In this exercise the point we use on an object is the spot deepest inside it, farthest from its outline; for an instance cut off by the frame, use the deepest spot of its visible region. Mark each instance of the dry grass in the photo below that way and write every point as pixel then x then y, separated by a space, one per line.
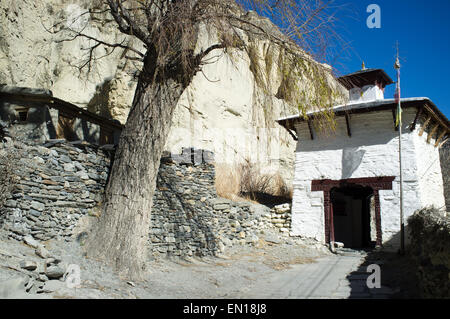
pixel 227 181
pixel 280 187
pixel 253 181
pixel 246 181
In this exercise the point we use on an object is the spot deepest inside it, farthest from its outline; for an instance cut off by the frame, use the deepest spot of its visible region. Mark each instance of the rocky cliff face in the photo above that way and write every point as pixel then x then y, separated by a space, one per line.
pixel 229 108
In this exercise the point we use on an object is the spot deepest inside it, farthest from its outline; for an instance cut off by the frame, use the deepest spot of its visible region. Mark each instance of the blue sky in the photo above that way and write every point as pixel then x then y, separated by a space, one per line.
pixel 422 29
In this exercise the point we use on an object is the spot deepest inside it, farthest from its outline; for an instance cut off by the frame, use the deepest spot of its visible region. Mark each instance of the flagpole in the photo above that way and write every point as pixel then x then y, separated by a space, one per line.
pixel 399 121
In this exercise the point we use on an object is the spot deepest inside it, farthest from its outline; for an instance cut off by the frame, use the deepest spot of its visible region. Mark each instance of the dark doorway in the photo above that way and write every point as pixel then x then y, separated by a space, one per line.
pixel 354 216
pixel 374 183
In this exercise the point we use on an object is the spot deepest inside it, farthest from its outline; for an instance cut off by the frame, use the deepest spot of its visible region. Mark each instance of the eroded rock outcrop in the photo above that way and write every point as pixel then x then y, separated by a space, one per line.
pixel 230 107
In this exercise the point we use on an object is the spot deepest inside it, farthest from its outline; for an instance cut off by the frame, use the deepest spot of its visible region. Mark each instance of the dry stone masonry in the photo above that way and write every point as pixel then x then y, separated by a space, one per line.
pixel 189 219
pixel 56 184
pixel 430 235
pixel 280 217
pixel 59 182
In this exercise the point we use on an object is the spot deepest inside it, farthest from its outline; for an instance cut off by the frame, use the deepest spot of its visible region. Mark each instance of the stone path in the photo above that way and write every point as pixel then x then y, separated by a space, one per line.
pixel 336 276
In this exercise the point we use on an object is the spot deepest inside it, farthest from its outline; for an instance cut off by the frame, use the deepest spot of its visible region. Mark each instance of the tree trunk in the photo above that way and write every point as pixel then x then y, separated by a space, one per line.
pixel 121 234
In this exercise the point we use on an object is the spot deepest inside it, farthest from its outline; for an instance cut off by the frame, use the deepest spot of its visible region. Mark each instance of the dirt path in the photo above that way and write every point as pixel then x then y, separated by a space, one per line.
pixel 295 269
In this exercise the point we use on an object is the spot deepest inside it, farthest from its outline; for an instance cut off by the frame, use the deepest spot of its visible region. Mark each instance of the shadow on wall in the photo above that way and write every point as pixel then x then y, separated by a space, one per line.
pixel 268 200
pixel 351 159
pixel 49 124
pixel 99 103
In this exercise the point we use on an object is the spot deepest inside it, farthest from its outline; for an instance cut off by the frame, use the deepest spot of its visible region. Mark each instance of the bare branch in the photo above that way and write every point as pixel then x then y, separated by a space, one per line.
pixel 125 22
pixel 199 57
pixel 74 34
pixel 100 42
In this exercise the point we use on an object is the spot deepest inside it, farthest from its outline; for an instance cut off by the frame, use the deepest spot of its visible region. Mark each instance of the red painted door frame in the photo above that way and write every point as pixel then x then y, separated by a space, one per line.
pixel 331 222
pixel 326 185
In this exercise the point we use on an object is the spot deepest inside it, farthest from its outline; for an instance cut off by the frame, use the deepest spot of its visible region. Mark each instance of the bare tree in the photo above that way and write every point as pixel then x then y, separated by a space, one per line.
pixel 169 31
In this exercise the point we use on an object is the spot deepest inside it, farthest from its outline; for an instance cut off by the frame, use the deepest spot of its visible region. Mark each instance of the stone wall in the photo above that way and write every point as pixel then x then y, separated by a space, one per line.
pixel 430 236
pixel 444 153
pixel 189 219
pixel 56 184
pixel 60 182
pixel 280 217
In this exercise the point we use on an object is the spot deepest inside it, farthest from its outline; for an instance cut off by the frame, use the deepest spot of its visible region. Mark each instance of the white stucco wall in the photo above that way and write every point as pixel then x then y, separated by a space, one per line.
pixel 371 151
pixel 429 171
pixel 365 94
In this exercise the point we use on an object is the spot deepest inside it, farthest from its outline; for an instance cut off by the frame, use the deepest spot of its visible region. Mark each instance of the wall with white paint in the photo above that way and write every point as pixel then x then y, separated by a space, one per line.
pixel 371 151
pixel 429 170
pixel 365 94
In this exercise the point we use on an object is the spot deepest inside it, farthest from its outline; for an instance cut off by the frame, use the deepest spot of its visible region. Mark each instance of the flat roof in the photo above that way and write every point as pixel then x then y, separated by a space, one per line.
pixel 372 106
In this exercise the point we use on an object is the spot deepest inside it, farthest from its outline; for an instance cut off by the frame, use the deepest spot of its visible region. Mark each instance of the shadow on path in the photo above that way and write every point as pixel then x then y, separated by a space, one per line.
pixel 397 272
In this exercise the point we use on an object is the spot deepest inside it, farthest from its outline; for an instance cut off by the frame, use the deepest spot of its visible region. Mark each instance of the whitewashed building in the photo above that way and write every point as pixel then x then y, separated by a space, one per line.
pixel 346 183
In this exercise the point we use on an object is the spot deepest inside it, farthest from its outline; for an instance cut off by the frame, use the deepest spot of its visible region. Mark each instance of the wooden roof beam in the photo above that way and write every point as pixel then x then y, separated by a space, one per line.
pixel 424 125
pixel 434 129
pixel 438 140
pixel 435 116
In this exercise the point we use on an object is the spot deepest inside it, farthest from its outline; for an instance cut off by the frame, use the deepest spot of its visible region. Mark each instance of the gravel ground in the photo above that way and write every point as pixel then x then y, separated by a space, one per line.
pixel 226 276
